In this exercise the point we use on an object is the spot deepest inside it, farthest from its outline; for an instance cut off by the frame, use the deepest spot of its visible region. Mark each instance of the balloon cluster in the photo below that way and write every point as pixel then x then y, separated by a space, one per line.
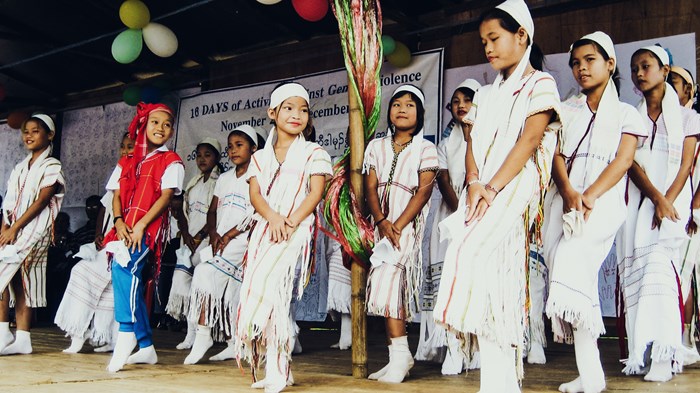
pixel 310 10
pixel 397 53
pixel 127 46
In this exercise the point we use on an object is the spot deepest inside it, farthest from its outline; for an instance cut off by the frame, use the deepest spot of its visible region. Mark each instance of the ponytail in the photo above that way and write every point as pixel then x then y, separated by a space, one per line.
pixel 536 57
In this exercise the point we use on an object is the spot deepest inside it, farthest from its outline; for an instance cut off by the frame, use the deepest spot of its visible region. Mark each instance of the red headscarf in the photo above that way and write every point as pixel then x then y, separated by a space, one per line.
pixel 137 128
pixel 137 133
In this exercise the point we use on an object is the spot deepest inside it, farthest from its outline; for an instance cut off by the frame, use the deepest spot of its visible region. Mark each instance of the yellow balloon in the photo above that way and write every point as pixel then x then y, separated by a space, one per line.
pixel 401 56
pixel 134 14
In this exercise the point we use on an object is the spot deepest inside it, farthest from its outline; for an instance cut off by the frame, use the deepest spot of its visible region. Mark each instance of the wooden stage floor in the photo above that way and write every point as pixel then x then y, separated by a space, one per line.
pixel 318 369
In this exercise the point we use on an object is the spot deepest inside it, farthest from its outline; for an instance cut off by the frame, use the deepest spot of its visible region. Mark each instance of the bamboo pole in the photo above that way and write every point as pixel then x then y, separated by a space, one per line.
pixel 356 138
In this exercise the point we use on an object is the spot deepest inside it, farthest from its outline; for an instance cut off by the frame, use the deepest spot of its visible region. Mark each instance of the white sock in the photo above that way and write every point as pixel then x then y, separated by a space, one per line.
pixel 376 375
pixel 145 355
pixel 536 354
pixel 6 336
pixel 275 370
pixel 497 367
pixel 202 343
pixel 126 341
pixel 591 378
pixel 76 344
pixel 189 338
pixel 345 332
pixel 660 371
pixel 21 346
pixel 454 359
pixel 401 361
pixel 228 353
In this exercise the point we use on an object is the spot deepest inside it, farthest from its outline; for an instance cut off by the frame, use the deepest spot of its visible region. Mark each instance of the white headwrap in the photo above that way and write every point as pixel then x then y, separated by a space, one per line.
pixel 519 11
pixel 683 73
pixel 411 89
pixel 286 91
pixel 470 84
pixel 46 119
pixel 660 53
pixel 606 128
pixel 249 131
pixel 212 142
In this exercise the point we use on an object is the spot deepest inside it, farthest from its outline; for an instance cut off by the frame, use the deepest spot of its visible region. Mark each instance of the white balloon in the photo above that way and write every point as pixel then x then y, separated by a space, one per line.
pixel 269 2
pixel 160 39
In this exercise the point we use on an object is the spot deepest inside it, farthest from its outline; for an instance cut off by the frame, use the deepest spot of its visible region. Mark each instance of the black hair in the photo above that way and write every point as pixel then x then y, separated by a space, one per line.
pixel 420 110
pixel 261 141
pixel 616 73
pixel 216 152
pixel 309 131
pixel 93 199
pixel 509 23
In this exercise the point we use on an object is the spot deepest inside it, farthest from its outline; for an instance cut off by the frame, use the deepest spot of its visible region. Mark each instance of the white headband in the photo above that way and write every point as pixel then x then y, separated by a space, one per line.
pixel 286 91
pixel 603 40
pixel 471 84
pixel 46 119
pixel 211 141
pixel 519 11
pixel 250 131
pixel 411 89
pixel 660 53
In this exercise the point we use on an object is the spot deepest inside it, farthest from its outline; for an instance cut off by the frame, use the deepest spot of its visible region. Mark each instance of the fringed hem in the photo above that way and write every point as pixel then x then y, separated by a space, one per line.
pixel 73 324
pixel 218 313
pixel 537 331
pixel 339 296
pixel 433 339
pixel 634 365
pixel 568 314
pixel 178 306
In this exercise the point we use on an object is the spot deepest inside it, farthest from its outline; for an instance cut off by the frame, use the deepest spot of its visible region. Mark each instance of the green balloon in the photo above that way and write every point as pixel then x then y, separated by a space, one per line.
pixel 388 44
pixel 132 95
pixel 127 46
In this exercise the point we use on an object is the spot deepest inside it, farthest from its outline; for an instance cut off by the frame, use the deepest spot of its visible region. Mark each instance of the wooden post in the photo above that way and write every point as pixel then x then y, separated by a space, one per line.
pixel 356 137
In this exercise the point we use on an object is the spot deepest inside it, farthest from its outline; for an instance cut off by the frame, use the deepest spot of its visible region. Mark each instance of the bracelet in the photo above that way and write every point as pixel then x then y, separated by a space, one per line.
pixel 473 182
pixel 114 220
pixel 490 188
pixel 376 224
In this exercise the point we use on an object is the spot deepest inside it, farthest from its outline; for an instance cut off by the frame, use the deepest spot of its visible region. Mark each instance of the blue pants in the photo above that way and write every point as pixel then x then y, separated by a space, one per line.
pixel 129 303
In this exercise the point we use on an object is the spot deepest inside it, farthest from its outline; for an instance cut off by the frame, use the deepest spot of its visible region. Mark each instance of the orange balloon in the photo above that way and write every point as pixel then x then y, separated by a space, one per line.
pixel 16 118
